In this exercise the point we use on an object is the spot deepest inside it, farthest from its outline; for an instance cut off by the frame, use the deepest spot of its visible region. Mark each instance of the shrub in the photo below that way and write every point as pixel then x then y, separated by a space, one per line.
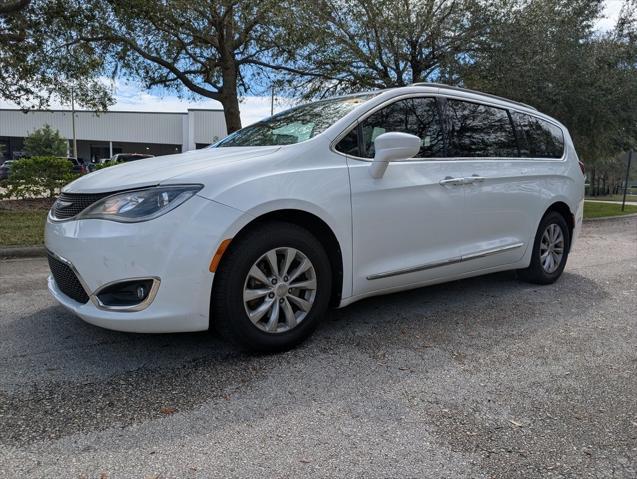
pixel 45 141
pixel 106 164
pixel 38 176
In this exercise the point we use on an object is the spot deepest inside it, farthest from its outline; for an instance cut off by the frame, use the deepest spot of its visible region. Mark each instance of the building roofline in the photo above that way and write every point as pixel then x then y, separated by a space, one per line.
pixel 39 110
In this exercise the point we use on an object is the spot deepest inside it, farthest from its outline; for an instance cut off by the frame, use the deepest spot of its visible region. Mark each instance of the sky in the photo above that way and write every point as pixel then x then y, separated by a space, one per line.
pixel 131 96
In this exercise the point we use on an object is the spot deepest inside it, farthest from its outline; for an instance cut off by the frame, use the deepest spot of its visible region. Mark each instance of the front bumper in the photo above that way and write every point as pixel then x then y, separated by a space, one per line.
pixel 176 248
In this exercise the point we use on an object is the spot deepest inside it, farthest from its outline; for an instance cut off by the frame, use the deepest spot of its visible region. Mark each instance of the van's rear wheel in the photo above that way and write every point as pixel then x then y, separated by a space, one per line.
pixel 272 288
pixel 550 250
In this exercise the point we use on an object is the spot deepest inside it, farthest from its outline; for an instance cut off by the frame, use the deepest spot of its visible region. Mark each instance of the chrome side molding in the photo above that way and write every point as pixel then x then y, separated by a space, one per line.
pixel 415 269
pixel 450 261
pixel 489 252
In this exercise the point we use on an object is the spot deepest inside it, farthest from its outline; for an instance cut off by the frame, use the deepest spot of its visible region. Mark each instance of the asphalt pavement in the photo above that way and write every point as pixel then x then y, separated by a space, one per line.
pixel 483 378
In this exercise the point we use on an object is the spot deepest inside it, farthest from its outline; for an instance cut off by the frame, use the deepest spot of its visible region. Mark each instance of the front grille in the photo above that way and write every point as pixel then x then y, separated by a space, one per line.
pixel 66 280
pixel 71 204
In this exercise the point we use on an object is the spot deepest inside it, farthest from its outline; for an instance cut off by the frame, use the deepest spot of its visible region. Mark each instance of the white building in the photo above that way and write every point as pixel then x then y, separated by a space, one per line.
pixel 101 135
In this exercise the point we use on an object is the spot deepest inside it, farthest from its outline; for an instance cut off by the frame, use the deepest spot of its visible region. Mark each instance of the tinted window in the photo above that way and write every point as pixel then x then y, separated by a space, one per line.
pixel 538 138
pixel 476 130
pixel 349 143
pixel 417 116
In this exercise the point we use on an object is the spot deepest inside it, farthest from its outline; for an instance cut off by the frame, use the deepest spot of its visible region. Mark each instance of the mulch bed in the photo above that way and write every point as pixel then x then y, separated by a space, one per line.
pixel 30 204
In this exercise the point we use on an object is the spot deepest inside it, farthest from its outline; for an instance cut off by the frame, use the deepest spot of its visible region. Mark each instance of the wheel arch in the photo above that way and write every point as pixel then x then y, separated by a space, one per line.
pixel 317 227
pixel 564 210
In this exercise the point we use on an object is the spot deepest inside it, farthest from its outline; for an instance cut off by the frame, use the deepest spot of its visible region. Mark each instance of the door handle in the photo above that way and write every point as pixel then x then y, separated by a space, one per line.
pixel 474 179
pixel 452 181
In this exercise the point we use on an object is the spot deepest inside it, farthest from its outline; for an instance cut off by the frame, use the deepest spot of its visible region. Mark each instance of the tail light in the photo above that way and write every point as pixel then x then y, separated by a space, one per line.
pixel 581 167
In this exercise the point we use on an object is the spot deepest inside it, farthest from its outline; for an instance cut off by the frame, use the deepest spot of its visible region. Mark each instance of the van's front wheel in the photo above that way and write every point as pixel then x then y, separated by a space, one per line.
pixel 550 250
pixel 272 288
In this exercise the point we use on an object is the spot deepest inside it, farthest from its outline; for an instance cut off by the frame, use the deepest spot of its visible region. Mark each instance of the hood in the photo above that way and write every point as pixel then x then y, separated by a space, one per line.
pixel 153 171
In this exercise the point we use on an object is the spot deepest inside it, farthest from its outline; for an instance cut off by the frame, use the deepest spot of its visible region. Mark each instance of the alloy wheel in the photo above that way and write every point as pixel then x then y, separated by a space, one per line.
pixel 279 290
pixel 552 248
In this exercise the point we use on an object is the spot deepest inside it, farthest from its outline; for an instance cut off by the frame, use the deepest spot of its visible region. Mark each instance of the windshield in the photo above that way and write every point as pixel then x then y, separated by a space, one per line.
pixel 295 125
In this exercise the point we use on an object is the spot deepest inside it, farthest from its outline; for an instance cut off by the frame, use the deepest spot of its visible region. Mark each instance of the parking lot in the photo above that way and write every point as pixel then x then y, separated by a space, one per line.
pixel 487 377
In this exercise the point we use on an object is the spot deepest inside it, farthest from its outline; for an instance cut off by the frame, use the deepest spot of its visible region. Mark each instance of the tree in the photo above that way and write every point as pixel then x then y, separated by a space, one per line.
pixel 547 53
pixel 12 6
pixel 367 44
pixel 37 62
pixel 45 141
pixel 212 49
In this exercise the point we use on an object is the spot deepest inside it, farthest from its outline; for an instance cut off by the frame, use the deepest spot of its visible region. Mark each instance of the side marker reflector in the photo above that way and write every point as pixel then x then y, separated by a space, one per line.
pixel 216 259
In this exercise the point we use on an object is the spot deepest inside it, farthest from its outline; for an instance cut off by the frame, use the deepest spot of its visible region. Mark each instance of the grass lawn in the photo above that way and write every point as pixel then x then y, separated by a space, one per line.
pixel 599 210
pixel 22 228
pixel 22 221
pixel 23 224
pixel 612 198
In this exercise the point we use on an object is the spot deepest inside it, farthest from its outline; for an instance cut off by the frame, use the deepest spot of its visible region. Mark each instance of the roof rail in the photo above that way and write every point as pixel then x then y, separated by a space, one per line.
pixel 442 86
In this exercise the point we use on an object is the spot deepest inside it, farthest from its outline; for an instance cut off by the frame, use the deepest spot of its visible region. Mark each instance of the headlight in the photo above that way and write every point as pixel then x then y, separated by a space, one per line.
pixel 140 205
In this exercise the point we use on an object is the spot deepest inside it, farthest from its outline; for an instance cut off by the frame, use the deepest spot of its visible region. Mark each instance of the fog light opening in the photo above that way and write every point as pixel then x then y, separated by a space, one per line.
pixel 126 293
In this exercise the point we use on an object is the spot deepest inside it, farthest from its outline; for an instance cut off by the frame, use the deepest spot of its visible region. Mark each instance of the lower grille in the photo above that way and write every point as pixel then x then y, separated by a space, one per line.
pixel 67 280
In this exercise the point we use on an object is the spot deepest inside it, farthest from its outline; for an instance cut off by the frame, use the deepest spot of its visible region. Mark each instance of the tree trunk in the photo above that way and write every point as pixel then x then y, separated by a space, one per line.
pixel 229 72
pixel 230 103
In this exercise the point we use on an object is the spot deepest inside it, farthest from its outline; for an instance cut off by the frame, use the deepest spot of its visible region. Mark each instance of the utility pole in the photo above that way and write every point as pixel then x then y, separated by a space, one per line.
pixel 73 122
pixel 630 159
pixel 272 102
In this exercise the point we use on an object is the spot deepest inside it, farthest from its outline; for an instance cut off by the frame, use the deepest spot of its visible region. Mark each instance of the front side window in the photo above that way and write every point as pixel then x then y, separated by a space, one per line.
pixel 417 116
pixel 479 131
pixel 295 125
pixel 538 138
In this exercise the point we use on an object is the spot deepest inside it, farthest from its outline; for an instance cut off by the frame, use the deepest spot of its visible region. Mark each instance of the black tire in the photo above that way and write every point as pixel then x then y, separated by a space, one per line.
pixel 228 312
pixel 536 273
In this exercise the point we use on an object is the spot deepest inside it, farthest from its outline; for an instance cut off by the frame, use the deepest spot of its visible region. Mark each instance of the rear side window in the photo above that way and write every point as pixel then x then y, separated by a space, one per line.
pixel 417 116
pixel 478 131
pixel 538 138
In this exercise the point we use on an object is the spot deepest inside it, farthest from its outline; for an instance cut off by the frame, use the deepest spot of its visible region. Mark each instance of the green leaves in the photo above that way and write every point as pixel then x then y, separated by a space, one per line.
pixel 45 141
pixel 547 53
pixel 38 176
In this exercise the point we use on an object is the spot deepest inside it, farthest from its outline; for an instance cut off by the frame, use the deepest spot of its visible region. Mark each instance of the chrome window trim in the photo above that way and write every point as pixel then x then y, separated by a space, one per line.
pixel 96 301
pixel 437 95
pixel 447 262
pixel 442 86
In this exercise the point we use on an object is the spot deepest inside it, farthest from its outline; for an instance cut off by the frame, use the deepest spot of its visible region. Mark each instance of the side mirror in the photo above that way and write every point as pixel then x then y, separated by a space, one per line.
pixel 393 146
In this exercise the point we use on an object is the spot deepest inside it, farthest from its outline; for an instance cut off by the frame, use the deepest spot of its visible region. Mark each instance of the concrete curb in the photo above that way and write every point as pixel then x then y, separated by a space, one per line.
pixel 611 218
pixel 22 252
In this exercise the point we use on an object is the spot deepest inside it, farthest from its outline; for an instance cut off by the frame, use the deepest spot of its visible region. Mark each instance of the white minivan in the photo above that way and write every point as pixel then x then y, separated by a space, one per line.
pixel 318 206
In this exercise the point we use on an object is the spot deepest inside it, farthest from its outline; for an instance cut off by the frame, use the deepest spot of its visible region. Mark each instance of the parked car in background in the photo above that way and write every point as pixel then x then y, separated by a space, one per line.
pixel 324 204
pixel 119 158
pixel 126 157
pixel 5 169
pixel 79 167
